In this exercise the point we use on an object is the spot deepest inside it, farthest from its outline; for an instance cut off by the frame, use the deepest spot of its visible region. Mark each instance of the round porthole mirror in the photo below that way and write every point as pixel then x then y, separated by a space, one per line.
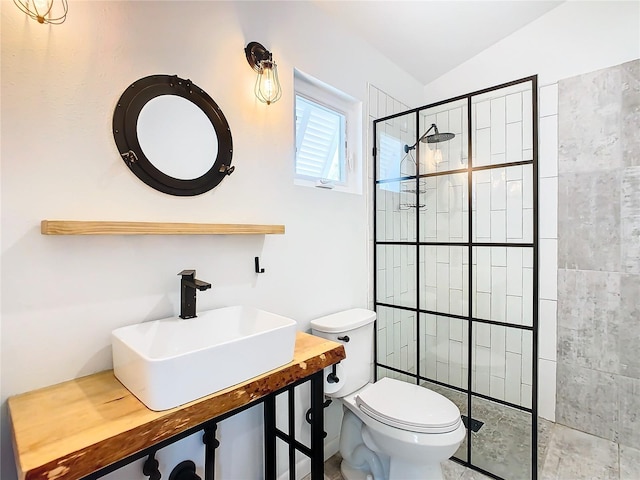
pixel 172 135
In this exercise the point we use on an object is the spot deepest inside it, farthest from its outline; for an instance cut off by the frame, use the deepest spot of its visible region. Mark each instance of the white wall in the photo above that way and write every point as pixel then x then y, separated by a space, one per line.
pixel 574 38
pixel 63 295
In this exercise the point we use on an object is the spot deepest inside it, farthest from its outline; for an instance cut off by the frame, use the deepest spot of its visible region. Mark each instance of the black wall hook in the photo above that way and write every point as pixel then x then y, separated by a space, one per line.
pixel 257 263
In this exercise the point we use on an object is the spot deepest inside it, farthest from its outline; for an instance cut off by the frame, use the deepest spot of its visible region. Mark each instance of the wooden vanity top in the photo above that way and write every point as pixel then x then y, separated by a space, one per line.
pixel 72 429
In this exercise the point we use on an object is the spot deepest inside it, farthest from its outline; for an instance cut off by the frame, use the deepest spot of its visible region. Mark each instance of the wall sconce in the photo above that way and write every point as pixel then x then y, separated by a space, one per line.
pixel 267 88
pixel 44 11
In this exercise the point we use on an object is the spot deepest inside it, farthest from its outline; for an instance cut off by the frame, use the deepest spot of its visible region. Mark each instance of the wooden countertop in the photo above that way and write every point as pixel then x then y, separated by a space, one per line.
pixel 72 429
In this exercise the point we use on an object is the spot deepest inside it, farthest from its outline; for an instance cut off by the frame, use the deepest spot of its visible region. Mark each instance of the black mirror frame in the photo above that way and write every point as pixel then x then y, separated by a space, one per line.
pixel 125 122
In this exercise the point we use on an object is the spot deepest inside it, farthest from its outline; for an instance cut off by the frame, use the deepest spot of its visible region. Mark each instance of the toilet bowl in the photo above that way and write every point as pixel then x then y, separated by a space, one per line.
pixel 391 430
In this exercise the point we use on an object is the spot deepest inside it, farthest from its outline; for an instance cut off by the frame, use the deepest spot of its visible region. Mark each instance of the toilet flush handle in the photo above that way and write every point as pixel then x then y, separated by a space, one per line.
pixel 344 339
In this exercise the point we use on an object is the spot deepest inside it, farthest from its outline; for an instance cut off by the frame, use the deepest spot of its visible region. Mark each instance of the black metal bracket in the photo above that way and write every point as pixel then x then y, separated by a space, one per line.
pixel 308 415
pixel 211 443
pixel 226 169
pixel 150 468
pixel 257 265
pixel 129 157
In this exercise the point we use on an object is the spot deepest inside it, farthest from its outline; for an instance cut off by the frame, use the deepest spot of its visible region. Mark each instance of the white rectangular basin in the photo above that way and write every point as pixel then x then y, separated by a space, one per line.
pixel 170 362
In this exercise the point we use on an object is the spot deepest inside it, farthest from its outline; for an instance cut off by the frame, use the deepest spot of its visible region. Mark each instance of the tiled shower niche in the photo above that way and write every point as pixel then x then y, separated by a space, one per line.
pixel 456 265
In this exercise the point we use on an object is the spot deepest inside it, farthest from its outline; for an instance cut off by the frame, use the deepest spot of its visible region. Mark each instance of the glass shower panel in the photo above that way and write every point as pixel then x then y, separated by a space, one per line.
pixel 503 284
pixel 444 279
pixel 444 349
pixel 455 278
pixel 445 216
pixel 396 338
pixel 396 275
pixel 395 211
pixel 502 125
pixel 502 363
pixel 391 137
pixel 449 154
pixel 382 372
pixel 503 205
pixel 460 399
pixel 502 445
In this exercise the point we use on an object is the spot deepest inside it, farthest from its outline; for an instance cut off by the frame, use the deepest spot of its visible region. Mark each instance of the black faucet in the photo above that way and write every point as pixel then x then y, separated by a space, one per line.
pixel 188 286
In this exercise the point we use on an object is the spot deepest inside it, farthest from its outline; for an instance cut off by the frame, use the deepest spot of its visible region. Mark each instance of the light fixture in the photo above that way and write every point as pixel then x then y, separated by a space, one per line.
pixel 267 88
pixel 436 137
pixel 44 11
pixel 437 155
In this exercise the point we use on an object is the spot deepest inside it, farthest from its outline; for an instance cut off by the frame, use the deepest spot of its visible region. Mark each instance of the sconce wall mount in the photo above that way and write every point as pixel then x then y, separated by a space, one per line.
pixel 267 88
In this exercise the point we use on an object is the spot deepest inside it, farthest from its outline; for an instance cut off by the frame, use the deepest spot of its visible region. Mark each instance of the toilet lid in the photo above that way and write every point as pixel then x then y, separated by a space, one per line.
pixel 408 407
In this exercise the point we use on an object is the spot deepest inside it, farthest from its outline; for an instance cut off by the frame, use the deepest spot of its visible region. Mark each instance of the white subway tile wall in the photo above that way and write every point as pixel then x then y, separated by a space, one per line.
pixel 548 249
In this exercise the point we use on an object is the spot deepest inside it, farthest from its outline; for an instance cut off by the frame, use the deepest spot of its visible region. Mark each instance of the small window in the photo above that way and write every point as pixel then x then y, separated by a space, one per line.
pixel 320 141
pixel 328 136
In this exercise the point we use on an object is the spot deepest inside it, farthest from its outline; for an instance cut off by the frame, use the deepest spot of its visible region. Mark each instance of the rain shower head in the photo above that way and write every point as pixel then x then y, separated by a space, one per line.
pixel 436 137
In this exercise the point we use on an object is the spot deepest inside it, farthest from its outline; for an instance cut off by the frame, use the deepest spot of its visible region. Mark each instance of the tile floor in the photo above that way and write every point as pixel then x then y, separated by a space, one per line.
pixel 568 455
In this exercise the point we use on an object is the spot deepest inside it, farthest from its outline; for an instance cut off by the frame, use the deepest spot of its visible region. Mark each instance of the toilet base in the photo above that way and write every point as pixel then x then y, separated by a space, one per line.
pixel 407 471
pixel 398 471
pixel 350 473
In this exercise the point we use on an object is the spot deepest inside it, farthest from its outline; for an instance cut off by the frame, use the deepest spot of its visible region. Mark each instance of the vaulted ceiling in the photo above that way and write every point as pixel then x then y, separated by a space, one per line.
pixel 429 38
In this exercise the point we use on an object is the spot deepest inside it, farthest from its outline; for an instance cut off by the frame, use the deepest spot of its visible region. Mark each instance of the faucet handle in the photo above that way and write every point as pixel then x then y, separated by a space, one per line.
pixel 187 273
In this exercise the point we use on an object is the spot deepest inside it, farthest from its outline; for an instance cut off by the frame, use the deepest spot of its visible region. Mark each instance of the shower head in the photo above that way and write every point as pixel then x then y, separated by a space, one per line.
pixel 436 137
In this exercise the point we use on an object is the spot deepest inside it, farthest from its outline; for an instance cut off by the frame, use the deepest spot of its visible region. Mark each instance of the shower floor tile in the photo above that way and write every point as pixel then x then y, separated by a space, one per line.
pixel 577 455
pixel 503 444
pixel 629 463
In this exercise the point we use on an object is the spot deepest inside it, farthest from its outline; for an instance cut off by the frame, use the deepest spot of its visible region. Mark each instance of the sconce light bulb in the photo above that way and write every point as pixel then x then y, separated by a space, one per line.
pixel 267 88
pixel 437 156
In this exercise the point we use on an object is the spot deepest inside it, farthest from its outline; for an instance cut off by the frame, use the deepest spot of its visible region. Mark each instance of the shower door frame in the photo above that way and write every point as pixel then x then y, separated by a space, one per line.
pixel 470 244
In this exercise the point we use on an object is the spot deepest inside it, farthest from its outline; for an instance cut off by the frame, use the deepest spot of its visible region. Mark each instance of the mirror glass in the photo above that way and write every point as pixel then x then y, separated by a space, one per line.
pixel 177 137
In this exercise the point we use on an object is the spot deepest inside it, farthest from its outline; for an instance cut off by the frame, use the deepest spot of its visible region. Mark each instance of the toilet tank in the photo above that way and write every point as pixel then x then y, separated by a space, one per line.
pixel 354 329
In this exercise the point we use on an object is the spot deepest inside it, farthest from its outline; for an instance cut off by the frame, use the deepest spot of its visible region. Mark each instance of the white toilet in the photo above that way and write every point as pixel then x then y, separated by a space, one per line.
pixel 391 430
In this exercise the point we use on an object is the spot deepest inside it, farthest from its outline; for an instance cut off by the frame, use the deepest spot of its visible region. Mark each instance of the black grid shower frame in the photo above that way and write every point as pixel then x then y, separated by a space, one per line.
pixel 470 245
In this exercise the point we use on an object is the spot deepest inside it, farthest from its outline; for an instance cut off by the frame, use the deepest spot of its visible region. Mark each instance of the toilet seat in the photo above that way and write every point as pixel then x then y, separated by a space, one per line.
pixel 408 407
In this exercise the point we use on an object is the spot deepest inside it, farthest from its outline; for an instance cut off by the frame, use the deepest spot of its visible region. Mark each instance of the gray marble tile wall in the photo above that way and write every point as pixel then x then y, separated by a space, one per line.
pixel 598 373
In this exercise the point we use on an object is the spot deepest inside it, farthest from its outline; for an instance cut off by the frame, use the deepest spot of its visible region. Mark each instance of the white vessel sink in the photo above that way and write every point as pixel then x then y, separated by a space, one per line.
pixel 169 362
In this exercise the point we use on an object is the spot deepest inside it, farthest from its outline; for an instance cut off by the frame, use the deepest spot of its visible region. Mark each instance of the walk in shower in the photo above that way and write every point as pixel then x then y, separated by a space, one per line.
pixel 455 265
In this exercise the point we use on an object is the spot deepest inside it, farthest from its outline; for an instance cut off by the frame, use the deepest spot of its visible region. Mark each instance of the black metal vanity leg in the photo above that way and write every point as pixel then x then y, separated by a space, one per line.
pixel 210 442
pixel 317 426
pixel 270 437
pixel 150 467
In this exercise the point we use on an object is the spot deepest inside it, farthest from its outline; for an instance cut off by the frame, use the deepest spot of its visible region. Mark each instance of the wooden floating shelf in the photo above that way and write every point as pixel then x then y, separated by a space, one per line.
pixel 72 227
